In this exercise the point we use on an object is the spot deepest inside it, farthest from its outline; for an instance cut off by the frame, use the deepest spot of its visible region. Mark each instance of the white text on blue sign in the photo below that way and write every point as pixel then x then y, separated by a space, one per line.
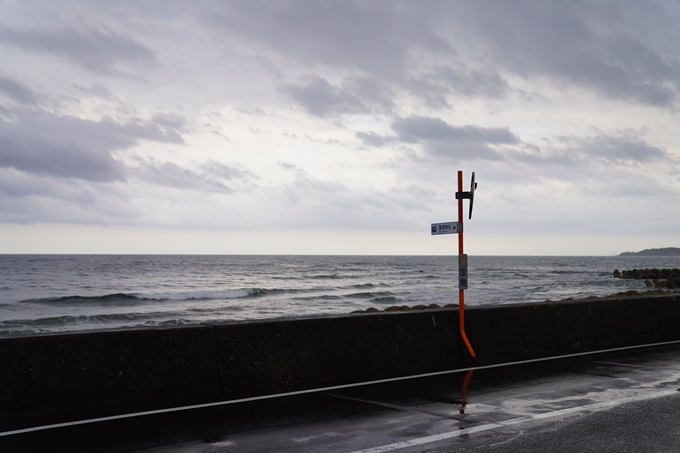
pixel 447 228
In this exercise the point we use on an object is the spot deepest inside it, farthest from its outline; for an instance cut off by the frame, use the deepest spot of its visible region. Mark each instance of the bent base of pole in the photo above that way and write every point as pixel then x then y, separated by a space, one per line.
pixel 461 318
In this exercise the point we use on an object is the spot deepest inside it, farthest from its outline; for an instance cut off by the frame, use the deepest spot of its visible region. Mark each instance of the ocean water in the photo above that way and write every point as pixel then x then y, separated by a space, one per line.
pixel 55 293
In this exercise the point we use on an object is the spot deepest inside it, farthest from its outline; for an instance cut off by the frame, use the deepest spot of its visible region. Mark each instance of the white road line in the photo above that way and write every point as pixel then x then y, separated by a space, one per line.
pixel 430 439
pixel 514 421
pixel 324 389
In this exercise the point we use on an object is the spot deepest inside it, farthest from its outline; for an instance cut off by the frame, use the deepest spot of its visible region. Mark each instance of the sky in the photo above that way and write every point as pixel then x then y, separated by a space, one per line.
pixel 338 127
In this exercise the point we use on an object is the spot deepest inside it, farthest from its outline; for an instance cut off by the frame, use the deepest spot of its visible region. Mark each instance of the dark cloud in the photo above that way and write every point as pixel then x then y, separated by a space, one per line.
pixel 602 160
pixel 388 47
pixel 16 91
pixel 36 141
pixel 371 36
pixel 232 172
pixel 168 174
pixel 320 98
pixel 16 183
pixel 612 149
pixel 27 198
pixel 440 139
pixel 623 149
pixel 469 82
pixel 316 95
pixel 585 44
pixel 90 48
pixel 373 139
pixel 418 129
pixel 211 176
pixel 435 87
pixel 375 93
pixel 382 60
pixel 440 49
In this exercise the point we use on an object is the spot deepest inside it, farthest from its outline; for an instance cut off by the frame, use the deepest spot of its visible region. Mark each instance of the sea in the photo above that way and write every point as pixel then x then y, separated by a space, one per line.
pixel 59 293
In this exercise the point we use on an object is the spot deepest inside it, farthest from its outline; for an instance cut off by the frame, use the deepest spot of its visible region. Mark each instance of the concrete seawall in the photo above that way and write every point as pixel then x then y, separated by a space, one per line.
pixel 58 377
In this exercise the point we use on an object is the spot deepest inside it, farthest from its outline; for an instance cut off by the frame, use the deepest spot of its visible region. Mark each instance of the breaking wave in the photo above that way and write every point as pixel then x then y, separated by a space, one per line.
pixel 125 299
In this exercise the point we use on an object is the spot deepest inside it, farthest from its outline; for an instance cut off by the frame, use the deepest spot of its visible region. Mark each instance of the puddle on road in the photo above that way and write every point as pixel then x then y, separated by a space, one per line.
pixel 618 383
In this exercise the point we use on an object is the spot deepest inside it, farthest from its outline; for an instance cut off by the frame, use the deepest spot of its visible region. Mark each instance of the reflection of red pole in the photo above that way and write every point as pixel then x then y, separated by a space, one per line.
pixel 461 293
pixel 463 390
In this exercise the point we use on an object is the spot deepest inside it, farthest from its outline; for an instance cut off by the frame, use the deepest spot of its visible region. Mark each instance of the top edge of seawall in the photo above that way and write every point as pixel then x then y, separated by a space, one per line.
pixel 675 296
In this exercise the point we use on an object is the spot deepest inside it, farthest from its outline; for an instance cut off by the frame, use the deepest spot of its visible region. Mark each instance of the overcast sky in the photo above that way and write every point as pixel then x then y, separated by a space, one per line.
pixel 310 127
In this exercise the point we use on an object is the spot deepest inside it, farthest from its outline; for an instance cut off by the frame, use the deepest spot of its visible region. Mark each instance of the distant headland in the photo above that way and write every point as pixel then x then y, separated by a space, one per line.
pixel 666 251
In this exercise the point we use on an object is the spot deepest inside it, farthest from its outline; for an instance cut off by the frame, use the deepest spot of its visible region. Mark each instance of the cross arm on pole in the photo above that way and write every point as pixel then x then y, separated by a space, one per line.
pixel 460 195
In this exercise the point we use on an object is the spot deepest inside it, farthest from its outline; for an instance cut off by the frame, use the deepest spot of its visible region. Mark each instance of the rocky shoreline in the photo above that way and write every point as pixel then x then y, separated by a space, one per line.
pixel 658 278
pixel 663 280
pixel 629 293
pixel 405 307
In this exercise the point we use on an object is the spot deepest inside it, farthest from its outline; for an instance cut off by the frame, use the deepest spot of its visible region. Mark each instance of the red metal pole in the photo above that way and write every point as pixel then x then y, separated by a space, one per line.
pixel 461 292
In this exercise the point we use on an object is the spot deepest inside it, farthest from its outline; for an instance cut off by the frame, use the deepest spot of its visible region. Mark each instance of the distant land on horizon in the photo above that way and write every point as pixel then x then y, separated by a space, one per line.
pixel 666 251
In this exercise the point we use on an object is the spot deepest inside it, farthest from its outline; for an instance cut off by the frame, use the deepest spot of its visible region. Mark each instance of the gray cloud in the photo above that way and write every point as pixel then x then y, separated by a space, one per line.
pixel 95 90
pixel 624 148
pixel 18 184
pixel 232 172
pixel 439 49
pixel 328 203
pixel 470 82
pixel 36 141
pixel 418 129
pixel 373 139
pixel 92 49
pixel 316 95
pixel 16 91
pixel 371 36
pixel 210 176
pixel 394 62
pixel 375 93
pixel 586 44
pixel 305 186
pixel 612 149
pixel 30 198
pixel 386 45
pixel 440 139
pixel 320 98
pixel 435 87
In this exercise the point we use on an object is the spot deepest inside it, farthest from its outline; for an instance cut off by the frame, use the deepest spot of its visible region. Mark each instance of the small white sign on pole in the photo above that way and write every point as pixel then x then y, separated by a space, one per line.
pixel 447 228
pixel 463 271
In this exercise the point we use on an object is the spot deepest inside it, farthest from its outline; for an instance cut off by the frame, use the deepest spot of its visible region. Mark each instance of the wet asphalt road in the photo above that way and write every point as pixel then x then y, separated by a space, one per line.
pixel 618 402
